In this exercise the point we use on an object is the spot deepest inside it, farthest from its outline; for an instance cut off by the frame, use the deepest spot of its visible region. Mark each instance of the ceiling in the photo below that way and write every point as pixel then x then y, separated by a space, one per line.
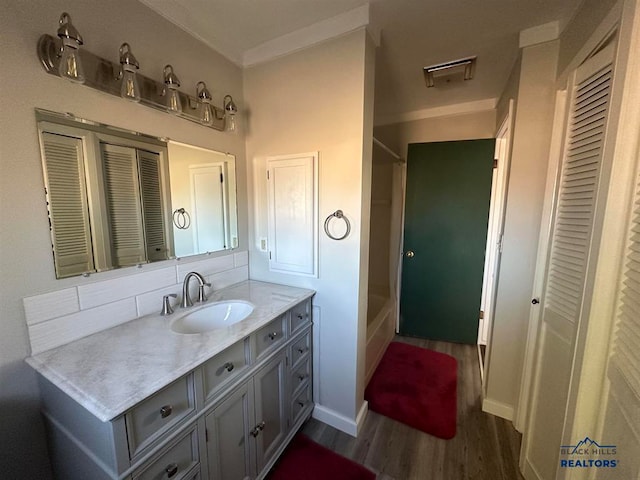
pixel 414 34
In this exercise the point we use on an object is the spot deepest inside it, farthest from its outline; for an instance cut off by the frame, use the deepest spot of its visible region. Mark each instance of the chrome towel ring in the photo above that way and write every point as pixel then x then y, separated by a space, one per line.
pixel 181 219
pixel 337 214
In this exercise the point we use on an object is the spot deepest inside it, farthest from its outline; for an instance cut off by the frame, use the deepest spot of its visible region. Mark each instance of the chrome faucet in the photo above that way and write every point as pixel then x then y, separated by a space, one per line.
pixel 186 299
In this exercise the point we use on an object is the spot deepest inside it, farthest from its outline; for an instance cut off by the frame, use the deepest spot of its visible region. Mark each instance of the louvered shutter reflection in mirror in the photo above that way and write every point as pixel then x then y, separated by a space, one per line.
pixel 67 203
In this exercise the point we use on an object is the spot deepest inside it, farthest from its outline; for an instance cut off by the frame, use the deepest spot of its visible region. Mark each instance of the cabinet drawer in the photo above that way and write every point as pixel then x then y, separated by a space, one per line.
pixel 270 336
pixel 300 316
pixel 175 463
pixel 301 348
pixel 300 404
pixel 224 367
pixel 154 416
pixel 300 375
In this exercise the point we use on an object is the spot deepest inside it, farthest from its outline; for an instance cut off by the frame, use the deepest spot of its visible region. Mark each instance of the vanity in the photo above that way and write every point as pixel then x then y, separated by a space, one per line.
pixel 140 401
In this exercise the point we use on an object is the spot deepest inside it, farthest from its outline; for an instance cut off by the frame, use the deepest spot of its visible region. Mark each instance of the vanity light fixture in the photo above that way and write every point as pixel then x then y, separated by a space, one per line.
pixel 129 89
pixel 61 56
pixel 171 82
pixel 204 101
pixel 230 111
pixel 70 66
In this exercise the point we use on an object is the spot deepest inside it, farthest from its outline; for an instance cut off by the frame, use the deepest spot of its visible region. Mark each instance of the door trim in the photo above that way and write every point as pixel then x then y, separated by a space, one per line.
pixel 495 228
pixel 535 313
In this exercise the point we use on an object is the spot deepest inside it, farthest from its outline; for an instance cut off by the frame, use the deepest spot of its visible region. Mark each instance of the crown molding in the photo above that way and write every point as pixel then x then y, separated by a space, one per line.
pixel 443 111
pixel 540 34
pixel 308 36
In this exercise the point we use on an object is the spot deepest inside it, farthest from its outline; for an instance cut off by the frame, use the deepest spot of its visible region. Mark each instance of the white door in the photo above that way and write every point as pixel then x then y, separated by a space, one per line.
pixel 207 190
pixel 564 301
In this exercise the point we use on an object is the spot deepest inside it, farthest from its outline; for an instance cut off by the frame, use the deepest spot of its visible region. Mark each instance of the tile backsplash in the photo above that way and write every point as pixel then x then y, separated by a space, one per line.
pixel 59 317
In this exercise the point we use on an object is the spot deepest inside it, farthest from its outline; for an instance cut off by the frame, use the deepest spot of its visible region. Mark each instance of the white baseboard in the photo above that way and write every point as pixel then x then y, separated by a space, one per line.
pixel 498 409
pixel 528 472
pixel 339 421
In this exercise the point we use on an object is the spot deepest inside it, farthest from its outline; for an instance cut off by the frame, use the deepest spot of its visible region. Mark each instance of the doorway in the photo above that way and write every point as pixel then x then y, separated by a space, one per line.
pixel 445 231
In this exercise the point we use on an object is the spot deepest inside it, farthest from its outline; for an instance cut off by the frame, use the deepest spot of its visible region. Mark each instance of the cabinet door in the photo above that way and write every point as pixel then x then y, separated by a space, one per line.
pixel 228 445
pixel 270 400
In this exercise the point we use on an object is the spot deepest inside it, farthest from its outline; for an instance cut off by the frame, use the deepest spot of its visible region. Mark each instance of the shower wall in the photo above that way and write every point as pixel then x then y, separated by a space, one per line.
pixel 384 245
pixel 380 226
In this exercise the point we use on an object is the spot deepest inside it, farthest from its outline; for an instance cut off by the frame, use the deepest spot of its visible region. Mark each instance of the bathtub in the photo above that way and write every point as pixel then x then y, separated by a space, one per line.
pixel 380 330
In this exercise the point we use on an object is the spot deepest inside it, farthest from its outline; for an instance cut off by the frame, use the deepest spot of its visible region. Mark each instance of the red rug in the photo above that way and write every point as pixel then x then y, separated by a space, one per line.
pixel 417 387
pixel 304 459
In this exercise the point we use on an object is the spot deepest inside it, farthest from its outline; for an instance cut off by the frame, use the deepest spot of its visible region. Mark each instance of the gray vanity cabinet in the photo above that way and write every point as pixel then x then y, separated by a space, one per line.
pixel 247 428
pixel 271 409
pixel 227 419
pixel 228 425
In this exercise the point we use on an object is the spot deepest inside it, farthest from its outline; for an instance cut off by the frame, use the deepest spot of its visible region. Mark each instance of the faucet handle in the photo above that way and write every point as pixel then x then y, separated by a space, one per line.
pixel 166 304
pixel 201 296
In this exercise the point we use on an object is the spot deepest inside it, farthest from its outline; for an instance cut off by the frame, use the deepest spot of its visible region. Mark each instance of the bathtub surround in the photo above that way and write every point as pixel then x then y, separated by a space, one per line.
pixel 59 317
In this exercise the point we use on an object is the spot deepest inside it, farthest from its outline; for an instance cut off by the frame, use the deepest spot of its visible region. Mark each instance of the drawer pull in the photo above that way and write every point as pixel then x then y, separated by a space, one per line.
pixel 302 349
pixel 273 335
pixel 302 376
pixel 166 411
pixel 300 316
pixel 171 469
pixel 258 428
pixel 300 404
pixel 228 366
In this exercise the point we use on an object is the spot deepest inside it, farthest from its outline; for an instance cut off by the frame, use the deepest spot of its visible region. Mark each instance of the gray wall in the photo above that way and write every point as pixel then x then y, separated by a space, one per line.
pixel 26 266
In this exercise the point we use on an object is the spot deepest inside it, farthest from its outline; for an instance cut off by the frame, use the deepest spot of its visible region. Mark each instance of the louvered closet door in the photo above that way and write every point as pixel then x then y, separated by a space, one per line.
pixel 124 212
pixel 622 416
pixel 565 282
pixel 68 208
pixel 152 211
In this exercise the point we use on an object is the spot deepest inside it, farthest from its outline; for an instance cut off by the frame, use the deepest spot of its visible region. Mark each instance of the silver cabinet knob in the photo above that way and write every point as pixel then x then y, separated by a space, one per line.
pixel 300 316
pixel 410 254
pixel 273 335
pixel 171 469
pixel 229 366
pixel 257 429
pixel 301 350
pixel 165 411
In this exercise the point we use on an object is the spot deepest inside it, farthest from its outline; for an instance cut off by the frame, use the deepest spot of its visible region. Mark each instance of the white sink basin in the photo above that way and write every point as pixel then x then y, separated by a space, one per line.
pixel 213 316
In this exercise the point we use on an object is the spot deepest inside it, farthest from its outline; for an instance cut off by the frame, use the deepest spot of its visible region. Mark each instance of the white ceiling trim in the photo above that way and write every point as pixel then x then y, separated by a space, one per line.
pixel 308 36
pixel 444 111
pixel 540 34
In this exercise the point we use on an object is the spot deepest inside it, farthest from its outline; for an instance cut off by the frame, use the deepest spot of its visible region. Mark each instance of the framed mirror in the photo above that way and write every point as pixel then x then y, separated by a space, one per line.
pixel 118 198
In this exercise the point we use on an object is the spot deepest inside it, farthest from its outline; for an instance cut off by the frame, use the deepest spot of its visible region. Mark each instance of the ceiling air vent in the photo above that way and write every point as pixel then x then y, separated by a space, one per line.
pixel 448 72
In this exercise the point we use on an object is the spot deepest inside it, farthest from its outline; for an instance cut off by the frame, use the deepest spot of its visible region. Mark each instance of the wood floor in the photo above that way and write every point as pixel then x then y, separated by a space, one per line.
pixel 485 446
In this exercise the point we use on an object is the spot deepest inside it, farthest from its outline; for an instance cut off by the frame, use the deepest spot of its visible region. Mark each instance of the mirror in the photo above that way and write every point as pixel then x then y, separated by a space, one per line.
pixel 119 198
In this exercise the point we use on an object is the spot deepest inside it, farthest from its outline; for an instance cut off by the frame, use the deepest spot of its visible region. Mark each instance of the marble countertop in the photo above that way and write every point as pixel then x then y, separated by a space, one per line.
pixel 111 371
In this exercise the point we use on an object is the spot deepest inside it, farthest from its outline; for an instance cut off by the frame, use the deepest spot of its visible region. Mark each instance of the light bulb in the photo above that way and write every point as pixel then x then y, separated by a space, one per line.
pixel 204 99
pixel 230 123
pixel 70 66
pixel 206 114
pixel 129 88
pixel 230 111
pixel 174 105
